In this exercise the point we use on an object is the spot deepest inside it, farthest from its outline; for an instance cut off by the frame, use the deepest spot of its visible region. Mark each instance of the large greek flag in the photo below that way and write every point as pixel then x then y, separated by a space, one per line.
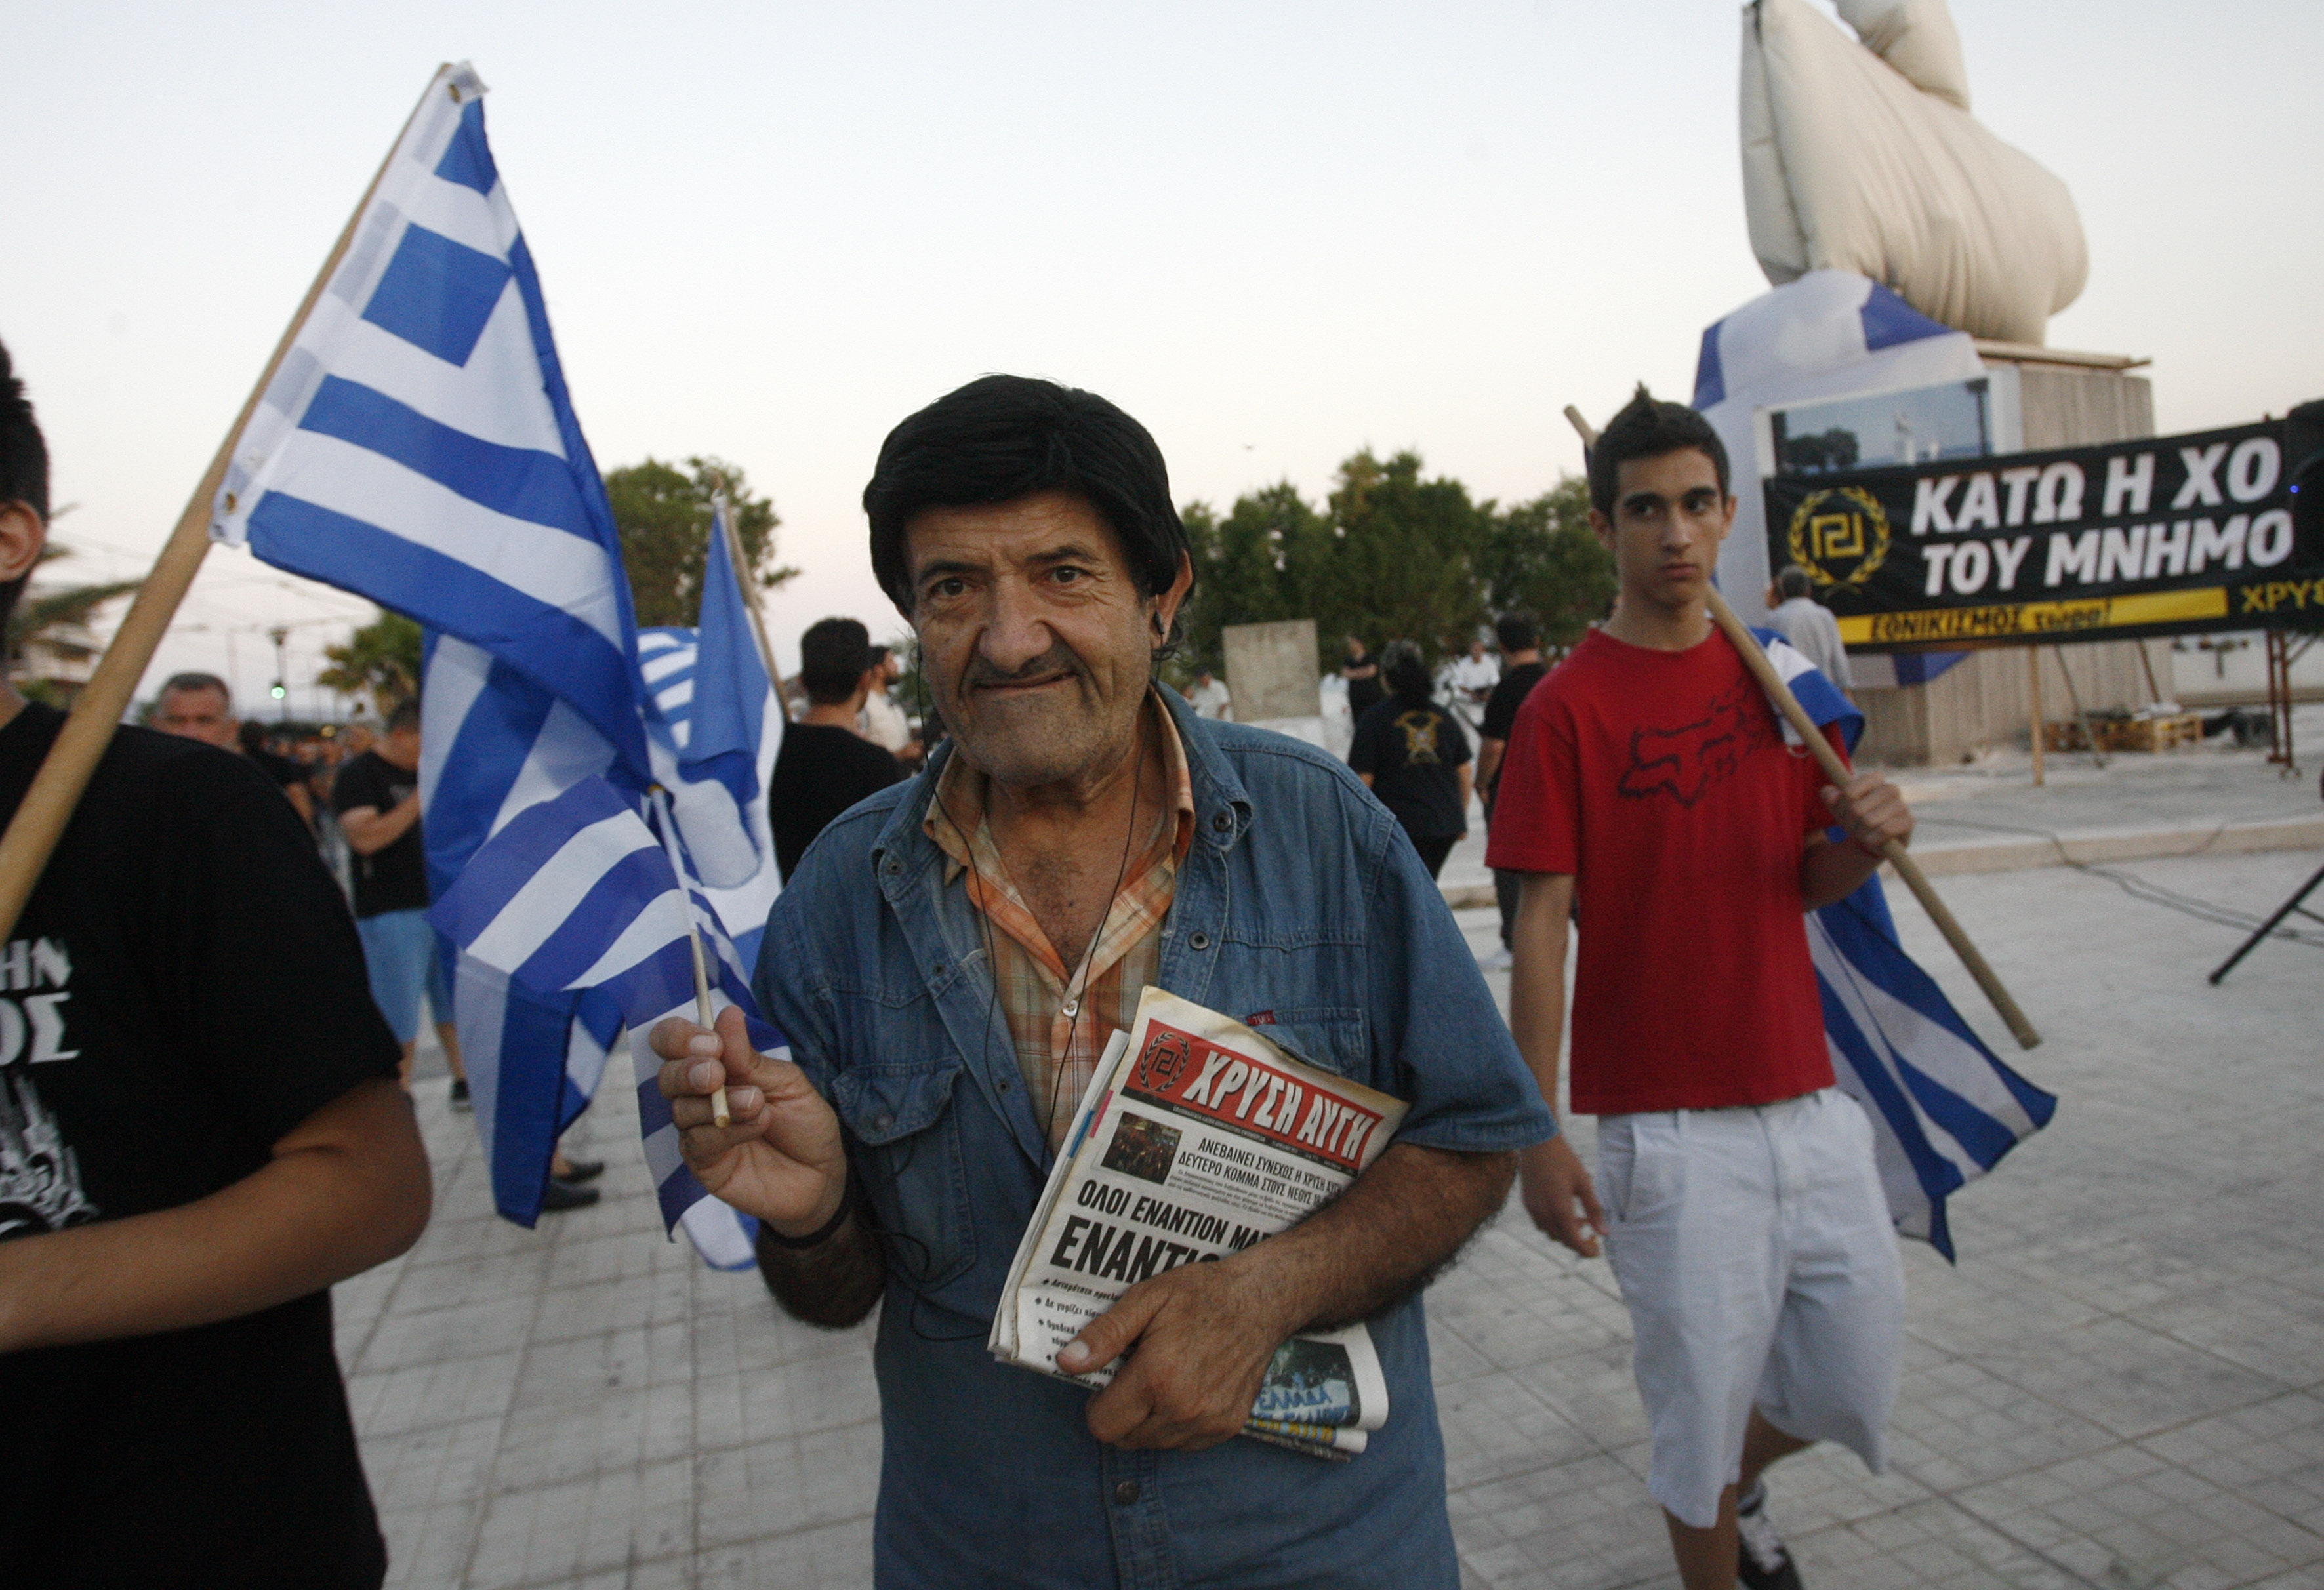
pixel 1944 1108
pixel 418 446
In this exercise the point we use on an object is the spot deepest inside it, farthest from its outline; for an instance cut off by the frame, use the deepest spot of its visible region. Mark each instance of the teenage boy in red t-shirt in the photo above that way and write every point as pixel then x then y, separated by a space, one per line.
pixel 1648 782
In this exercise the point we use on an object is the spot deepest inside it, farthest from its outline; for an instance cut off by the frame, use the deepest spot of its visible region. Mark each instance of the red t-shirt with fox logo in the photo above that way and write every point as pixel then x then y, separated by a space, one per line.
pixel 1661 781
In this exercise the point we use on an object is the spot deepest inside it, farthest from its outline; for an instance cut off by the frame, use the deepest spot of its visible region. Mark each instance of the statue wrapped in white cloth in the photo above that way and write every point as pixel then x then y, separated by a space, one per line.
pixel 1861 154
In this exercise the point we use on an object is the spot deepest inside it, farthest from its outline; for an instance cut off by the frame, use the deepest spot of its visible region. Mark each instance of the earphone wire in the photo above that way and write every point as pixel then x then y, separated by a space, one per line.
pixel 1075 991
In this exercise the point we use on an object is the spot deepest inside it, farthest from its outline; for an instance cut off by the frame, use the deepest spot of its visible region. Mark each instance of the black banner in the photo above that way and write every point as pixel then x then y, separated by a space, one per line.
pixel 2169 535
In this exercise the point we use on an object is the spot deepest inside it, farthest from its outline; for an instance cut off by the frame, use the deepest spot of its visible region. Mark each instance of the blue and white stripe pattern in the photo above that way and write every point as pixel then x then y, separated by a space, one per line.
pixel 667 655
pixel 416 445
pixel 1944 1108
pixel 579 893
pixel 493 745
pixel 576 893
pixel 711 705
pixel 728 709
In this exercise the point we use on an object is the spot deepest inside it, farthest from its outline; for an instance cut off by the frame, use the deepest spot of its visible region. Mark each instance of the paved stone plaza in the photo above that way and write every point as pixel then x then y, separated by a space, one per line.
pixel 2121 1386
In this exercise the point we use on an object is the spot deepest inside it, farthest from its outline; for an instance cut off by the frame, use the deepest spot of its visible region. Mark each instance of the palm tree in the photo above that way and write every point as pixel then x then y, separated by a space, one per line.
pixel 48 643
pixel 380 661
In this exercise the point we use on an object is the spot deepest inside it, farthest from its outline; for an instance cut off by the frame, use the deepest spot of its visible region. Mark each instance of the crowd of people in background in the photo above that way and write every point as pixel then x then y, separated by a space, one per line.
pixel 1412 729
pixel 357 792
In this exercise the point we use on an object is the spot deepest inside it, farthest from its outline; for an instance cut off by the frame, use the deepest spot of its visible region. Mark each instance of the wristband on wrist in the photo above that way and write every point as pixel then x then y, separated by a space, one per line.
pixel 821 1235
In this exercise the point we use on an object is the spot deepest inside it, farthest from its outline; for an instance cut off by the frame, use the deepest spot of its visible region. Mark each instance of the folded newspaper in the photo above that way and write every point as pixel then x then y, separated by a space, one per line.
pixel 1196 1138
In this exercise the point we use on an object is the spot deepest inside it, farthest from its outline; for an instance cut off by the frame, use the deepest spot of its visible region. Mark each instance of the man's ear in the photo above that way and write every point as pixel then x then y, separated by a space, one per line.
pixel 1167 602
pixel 21 537
pixel 1603 528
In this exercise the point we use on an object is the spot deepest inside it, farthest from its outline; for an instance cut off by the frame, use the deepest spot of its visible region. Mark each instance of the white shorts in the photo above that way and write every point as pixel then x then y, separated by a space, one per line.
pixel 1754 1252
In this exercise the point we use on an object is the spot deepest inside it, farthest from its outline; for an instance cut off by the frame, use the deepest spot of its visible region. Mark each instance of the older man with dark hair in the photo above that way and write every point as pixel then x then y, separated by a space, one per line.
pixel 200 1133
pixel 952 957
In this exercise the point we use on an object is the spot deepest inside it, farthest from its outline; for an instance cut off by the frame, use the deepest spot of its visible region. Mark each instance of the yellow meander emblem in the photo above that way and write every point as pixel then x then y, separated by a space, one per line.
pixel 1840 537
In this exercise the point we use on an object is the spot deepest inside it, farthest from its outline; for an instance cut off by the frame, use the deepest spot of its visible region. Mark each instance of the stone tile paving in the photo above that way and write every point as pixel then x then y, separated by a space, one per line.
pixel 2122 1386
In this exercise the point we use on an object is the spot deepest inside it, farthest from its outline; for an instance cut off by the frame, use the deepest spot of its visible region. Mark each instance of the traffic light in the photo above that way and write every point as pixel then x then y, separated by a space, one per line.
pixel 277 692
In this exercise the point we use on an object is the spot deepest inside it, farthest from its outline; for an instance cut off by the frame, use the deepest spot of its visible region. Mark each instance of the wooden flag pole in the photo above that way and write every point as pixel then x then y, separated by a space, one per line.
pixel 751 598
pixel 1755 658
pixel 48 806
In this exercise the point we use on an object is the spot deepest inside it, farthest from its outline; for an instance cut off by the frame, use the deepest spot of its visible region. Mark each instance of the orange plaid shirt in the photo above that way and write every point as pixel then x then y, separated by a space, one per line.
pixel 1059 1017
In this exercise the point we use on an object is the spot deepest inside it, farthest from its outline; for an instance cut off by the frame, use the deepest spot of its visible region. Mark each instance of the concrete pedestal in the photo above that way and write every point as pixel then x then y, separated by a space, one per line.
pixel 1271 674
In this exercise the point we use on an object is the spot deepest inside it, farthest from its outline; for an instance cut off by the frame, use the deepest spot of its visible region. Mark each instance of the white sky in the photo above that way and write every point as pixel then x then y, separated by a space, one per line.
pixel 1274 232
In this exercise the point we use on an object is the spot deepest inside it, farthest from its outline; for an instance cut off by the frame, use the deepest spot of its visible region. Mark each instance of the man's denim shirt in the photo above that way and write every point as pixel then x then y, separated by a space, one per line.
pixel 1301 901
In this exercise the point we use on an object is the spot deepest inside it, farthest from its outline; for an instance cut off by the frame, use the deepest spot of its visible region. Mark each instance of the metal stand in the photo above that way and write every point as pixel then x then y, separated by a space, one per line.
pixel 2284 911
pixel 2281 653
pixel 2090 730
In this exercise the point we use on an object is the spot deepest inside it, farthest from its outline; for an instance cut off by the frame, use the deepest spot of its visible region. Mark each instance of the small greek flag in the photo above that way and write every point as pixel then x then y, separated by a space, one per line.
pixel 580 893
pixel 714 719
pixel 1944 1108
pixel 666 655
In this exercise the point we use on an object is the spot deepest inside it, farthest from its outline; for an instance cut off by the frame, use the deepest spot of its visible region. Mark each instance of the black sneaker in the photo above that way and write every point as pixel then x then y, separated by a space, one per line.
pixel 1760 1560
pixel 460 1095
pixel 578 1172
pixel 564 1195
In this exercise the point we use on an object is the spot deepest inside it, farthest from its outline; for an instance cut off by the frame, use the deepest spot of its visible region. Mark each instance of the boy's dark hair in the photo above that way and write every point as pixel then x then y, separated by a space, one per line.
pixel 1406 675
pixel 1005 436
pixel 1792 580
pixel 405 716
pixel 834 653
pixel 1647 427
pixel 1516 633
pixel 23 464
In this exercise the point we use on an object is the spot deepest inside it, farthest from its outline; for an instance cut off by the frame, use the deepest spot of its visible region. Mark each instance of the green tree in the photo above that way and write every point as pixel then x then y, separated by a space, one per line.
pixel 1257 565
pixel 1392 556
pixel 1541 558
pixel 380 660
pixel 663 515
pixel 1402 561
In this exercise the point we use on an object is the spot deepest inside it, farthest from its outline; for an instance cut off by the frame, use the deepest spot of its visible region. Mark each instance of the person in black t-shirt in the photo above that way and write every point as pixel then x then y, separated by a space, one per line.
pixel 377 798
pixel 199 707
pixel 1521 670
pixel 289 776
pixel 1361 671
pixel 824 766
pixel 200 1133
pixel 1415 757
